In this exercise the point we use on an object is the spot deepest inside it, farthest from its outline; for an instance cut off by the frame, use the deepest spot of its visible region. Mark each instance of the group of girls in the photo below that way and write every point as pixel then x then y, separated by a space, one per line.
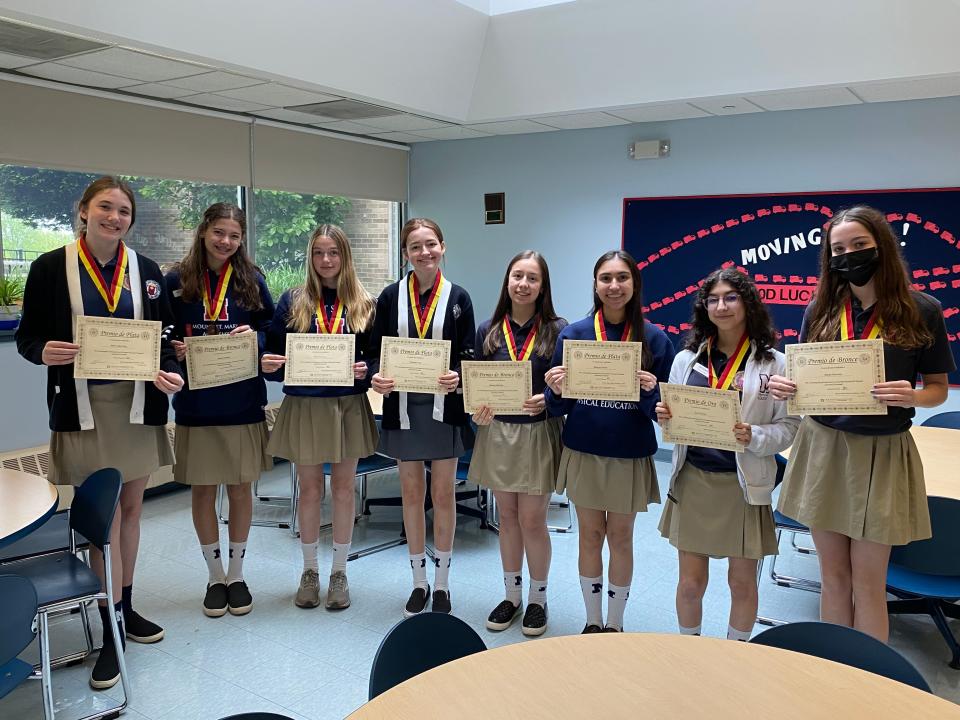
pixel 856 481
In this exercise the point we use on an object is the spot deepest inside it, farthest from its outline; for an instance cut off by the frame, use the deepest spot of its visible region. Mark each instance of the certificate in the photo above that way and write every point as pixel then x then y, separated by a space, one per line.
pixel 701 416
pixel 116 349
pixel 503 386
pixel 601 370
pixel 413 364
pixel 215 360
pixel 320 359
pixel 835 378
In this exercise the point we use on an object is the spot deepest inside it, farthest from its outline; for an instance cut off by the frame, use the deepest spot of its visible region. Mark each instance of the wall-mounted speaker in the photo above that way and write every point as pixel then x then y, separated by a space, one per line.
pixel 493 209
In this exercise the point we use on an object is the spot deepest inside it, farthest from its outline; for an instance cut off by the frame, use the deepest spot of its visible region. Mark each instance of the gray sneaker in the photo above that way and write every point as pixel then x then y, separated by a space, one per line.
pixel 338 592
pixel 308 594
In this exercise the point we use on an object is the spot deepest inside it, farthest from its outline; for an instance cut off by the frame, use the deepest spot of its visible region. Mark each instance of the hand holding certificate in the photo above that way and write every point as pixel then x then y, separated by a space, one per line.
pixel 415 365
pixel 502 386
pixel 699 416
pixel 215 360
pixel 835 378
pixel 601 370
pixel 117 349
pixel 320 359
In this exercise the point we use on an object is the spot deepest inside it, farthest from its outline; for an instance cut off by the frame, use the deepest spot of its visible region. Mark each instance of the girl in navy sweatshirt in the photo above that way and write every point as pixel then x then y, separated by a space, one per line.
pixel 607 464
pixel 317 424
pixel 221 432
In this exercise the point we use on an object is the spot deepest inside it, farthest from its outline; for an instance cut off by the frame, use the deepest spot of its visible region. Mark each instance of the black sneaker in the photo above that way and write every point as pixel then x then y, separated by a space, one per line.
pixel 215 601
pixel 441 601
pixel 239 598
pixel 534 620
pixel 141 630
pixel 610 628
pixel 503 616
pixel 590 628
pixel 106 671
pixel 417 601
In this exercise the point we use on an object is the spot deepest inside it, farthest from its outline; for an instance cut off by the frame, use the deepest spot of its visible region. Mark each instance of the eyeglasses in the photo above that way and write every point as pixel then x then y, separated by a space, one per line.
pixel 730 299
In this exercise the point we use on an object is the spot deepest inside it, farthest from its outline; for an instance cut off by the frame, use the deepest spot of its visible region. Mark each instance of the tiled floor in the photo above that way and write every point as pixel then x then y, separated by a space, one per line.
pixel 314 664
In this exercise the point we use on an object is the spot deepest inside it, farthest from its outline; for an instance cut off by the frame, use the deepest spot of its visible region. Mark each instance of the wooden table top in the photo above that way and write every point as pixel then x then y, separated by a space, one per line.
pixel 26 502
pixel 633 675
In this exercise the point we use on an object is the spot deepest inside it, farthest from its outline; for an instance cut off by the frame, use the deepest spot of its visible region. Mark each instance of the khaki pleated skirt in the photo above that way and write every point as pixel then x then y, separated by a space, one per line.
pixel 867 487
pixel 708 515
pixel 622 485
pixel 135 450
pixel 317 430
pixel 518 457
pixel 220 454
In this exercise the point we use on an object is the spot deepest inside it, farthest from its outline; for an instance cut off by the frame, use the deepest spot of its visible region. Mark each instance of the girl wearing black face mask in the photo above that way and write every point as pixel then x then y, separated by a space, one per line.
pixel 857 481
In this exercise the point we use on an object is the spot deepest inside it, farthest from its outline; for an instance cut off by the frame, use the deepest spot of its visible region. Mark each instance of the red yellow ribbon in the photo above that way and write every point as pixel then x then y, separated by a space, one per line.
pixel 870 332
pixel 111 295
pixel 734 365
pixel 213 307
pixel 327 324
pixel 527 350
pixel 600 328
pixel 422 319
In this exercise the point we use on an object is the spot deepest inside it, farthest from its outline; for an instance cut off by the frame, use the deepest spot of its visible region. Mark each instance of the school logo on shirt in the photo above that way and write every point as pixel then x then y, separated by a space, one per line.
pixel 224 312
pixel 764 386
pixel 153 289
pixel 456 311
pixel 738 380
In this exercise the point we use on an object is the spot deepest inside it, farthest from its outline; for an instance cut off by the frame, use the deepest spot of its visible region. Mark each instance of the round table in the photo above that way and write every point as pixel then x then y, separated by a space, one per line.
pixel 26 502
pixel 636 675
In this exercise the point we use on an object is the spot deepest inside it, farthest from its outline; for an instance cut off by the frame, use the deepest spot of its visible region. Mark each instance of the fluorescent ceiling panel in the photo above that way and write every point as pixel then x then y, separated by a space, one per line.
pixel 136 65
pixel 76 76
pixel 804 99
pixel 343 110
pixel 579 121
pixel 275 94
pixel 34 42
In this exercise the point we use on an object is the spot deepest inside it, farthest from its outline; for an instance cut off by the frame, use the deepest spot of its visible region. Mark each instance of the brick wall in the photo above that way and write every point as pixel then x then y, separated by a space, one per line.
pixel 157 232
pixel 370 227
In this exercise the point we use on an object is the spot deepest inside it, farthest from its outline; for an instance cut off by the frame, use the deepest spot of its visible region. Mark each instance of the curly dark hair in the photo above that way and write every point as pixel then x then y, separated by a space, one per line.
pixel 760 327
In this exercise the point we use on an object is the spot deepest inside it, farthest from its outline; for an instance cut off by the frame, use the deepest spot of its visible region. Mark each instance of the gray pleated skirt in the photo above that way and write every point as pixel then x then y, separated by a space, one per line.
pixel 867 487
pixel 621 485
pixel 427 439
pixel 135 450
pixel 220 454
pixel 318 430
pixel 709 516
pixel 518 457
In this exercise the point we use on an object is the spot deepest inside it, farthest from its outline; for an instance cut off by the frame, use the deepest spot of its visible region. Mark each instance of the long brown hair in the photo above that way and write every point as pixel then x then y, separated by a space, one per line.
pixel 547 334
pixel 760 327
pixel 412 224
pixel 357 301
pixel 634 307
pixel 194 264
pixel 107 182
pixel 896 310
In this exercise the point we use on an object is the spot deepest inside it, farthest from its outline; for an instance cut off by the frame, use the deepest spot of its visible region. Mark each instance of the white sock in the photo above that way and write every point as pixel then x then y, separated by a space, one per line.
pixel 418 565
pixel 310 555
pixel 211 553
pixel 513 584
pixel 689 630
pixel 538 592
pixel 441 578
pixel 238 551
pixel 592 589
pixel 741 635
pixel 616 603
pixel 340 552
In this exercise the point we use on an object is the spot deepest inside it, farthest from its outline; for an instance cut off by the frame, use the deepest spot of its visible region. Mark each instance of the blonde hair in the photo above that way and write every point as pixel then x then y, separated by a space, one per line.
pixel 357 301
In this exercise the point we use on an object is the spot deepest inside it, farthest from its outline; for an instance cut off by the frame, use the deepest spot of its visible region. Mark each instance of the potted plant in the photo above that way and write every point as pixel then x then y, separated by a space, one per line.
pixel 11 298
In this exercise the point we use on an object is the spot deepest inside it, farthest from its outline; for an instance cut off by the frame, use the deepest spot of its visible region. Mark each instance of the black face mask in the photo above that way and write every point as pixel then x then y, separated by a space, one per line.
pixel 856 267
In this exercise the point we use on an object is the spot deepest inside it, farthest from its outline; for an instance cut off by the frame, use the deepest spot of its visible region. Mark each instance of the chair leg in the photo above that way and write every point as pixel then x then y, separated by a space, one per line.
pixel 85 622
pixel 294 499
pixel 936 612
pixel 46 680
pixel 114 627
pixel 220 515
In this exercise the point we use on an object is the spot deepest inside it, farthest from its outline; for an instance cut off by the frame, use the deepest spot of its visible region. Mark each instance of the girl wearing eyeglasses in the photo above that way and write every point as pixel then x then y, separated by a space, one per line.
pixel 718 504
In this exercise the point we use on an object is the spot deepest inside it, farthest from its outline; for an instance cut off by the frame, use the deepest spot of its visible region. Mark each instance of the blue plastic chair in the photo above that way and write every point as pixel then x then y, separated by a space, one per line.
pixel 418 644
pixel 925 574
pixel 18 611
pixel 949 420
pixel 63 581
pixel 843 645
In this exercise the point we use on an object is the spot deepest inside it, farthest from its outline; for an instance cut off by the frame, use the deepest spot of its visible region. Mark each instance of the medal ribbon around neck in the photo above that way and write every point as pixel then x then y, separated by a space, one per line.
pixel 870 332
pixel 110 296
pixel 327 325
pixel 215 306
pixel 422 319
pixel 527 350
pixel 734 364
pixel 600 328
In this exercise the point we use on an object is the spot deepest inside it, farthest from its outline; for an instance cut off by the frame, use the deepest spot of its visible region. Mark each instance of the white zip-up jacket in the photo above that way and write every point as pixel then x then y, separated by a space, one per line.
pixel 772 429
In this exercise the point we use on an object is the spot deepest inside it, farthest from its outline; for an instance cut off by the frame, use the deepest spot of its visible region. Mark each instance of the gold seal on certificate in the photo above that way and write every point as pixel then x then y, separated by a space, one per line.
pixel 413 364
pixel 116 349
pixel 835 378
pixel 601 370
pixel 501 385
pixel 319 359
pixel 701 416
pixel 215 360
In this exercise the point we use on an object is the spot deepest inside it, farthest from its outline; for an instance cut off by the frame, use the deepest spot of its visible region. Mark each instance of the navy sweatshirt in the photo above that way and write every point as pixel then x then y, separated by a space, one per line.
pixel 612 428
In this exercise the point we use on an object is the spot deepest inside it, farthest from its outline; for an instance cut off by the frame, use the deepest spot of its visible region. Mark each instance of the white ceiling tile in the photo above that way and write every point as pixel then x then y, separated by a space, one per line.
pixel 347 126
pixel 511 127
pixel 214 82
pixel 400 137
pixel 158 90
pixel 14 61
pixel 451 132
pixel 136 65
pixel 75 76
pixel 726 106
pixel 579 121
pixel 403 123
pixel 292 116
pixel 804 99
pixel 223 103
pixel 277 95
pixel 659 113
pixel 916 89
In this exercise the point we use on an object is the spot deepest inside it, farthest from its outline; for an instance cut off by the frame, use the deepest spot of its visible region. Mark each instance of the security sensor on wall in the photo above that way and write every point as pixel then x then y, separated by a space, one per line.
pixel 648 149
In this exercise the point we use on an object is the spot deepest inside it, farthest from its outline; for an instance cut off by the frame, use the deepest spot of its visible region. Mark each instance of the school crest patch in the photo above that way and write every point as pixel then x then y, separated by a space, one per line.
pixel 738 380
pixel 153 289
